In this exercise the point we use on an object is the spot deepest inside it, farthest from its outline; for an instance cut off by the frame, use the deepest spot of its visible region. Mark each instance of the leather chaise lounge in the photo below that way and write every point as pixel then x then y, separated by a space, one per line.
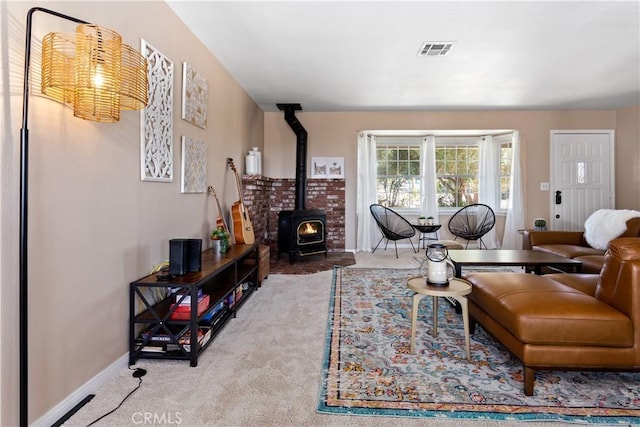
pixel 565 321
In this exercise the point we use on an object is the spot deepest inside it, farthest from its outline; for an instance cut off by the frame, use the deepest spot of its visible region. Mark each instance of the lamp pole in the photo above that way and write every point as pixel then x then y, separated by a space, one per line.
pixel 24 199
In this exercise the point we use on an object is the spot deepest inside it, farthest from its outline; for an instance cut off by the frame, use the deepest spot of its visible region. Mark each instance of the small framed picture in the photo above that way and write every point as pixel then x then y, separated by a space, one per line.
pixel 327 167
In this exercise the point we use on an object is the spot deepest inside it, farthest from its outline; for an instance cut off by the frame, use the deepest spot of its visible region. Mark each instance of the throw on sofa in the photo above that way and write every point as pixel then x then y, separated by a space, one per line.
pixel 572 244
pixel 565 321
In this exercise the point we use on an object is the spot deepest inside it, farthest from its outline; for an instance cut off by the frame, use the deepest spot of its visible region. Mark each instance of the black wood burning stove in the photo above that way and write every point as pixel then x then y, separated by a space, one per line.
pixel 301 231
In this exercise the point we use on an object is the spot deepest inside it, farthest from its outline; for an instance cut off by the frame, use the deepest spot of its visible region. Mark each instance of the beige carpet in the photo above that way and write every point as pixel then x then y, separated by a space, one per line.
pixel 262 370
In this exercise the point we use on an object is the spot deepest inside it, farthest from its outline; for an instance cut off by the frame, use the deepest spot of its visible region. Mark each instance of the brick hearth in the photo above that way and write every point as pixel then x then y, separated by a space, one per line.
pixel 265 197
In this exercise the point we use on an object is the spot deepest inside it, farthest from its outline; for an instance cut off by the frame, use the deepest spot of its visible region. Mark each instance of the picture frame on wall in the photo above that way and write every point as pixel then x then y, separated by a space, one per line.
pixel 194 166
pixel 195 94
pixel 327 167
pixel 156 120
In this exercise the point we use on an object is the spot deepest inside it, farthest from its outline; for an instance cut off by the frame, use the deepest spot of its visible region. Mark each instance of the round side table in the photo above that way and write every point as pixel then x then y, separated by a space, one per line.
pixel 457 290
pixel 425 229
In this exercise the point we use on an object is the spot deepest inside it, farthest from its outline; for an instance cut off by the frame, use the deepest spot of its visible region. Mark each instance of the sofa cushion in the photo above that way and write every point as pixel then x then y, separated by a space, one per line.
pixel 591 263
pixel 541 311
pixel 585 283
pixel 568 251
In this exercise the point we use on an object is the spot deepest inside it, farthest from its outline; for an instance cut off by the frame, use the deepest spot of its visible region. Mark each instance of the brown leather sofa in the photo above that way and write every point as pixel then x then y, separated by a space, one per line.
pixel 572 244
pixel 565 321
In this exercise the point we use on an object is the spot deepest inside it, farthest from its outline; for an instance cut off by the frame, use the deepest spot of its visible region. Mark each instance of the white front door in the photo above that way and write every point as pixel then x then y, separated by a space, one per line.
pixel 581 176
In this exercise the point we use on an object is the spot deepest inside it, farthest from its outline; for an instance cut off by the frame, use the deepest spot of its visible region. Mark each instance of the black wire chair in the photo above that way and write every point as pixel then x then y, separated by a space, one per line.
pixel 392 226
pixel 472 222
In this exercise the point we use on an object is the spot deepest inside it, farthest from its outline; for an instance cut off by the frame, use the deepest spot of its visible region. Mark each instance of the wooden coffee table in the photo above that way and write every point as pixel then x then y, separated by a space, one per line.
pixel 510 257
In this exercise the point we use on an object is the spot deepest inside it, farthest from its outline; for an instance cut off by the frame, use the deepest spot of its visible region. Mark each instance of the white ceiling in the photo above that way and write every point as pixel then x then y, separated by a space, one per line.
pixel 362 55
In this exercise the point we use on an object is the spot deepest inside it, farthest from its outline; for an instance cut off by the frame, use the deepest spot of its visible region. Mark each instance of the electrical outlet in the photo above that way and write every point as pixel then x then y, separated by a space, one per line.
pixel 544 186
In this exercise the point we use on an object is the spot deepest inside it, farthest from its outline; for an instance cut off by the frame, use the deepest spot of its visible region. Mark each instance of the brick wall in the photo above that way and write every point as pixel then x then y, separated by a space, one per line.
pixel 265 197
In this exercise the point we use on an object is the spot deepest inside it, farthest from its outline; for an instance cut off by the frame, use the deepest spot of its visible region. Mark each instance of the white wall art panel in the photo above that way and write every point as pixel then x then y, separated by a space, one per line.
pixel 195 93
pixel 156 144
pixel 194 166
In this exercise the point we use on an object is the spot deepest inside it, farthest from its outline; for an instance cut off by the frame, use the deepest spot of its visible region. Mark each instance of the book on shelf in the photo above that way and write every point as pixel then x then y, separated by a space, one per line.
pixel 204 335
pixel 214 312
pixel 159 336
pixel 187 298
pixel 183 312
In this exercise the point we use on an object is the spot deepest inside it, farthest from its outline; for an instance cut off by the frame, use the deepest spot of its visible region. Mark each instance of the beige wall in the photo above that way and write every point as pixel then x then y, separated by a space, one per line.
pixel 94 226
pixel 628 158
pixel 334 134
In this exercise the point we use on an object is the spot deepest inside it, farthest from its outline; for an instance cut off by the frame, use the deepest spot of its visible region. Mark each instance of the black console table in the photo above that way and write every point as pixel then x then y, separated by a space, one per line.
pixel 179 317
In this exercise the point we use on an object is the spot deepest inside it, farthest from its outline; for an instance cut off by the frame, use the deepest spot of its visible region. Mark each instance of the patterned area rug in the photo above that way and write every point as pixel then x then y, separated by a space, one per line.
pixel 368 369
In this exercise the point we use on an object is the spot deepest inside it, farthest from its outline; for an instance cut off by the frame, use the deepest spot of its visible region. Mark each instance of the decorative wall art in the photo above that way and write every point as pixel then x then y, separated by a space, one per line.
pixel 195 94
pixel 194 166
pixel 327 167
pixel 156 144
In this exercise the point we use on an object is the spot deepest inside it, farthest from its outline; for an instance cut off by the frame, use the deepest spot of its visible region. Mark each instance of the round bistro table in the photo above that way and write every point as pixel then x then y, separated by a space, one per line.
pixel 457 290
pixel 425 229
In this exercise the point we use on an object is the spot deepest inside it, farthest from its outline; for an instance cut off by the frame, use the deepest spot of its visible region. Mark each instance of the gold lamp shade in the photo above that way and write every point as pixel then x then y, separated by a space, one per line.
pixel 94 71
pixel 58 50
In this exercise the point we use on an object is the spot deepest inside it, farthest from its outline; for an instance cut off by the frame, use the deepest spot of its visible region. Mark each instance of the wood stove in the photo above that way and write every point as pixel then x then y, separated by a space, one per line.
pixel 301 231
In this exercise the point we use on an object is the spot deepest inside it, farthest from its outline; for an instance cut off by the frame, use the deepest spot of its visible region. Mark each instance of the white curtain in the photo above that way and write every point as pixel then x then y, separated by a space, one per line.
pixel 428 196
pixel 515 210
pixel 366 192
pixel 489 177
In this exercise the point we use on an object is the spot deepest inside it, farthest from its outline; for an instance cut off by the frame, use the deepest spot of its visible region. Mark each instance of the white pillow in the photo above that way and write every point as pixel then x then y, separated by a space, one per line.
pixel 604 225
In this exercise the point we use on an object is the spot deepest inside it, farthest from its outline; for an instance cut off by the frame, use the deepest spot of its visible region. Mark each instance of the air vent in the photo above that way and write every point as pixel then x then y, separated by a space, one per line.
pixel 435 48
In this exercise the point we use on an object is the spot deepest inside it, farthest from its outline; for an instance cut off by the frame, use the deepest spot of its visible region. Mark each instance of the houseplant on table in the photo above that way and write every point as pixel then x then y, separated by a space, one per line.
pixel 540 224
pixel 220 240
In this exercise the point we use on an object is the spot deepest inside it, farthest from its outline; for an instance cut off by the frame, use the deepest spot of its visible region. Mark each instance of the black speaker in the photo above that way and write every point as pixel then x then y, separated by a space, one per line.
pixel 194 252
pixel 185 255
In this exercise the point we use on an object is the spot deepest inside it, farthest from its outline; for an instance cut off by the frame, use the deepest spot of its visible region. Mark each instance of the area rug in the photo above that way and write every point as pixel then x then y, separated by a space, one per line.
pixel 368 370
pixel 309 264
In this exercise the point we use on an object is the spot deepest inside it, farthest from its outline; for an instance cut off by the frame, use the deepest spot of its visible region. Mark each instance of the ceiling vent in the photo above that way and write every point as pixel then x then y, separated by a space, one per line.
pixel 435 48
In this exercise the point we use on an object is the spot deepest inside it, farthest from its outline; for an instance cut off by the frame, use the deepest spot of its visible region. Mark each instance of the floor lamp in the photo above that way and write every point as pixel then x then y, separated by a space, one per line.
pixel 98 75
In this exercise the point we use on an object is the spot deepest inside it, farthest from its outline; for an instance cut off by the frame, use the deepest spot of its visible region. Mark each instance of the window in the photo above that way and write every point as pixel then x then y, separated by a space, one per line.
pixel 505 173
pixel 457 170
pixel 398 180
pixel 457 175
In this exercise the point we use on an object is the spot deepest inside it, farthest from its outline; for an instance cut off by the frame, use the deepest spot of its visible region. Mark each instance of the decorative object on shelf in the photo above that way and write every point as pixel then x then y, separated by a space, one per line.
pixel 220 240
pixel 540 224
pixel 60 71
pixel 157 119
pixel 194 165
pixel 195 94
pixel 327 167
pixel 253 164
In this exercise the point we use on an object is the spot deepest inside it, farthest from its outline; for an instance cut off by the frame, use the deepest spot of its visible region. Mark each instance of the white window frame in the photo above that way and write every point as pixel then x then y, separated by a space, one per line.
pixel 503 138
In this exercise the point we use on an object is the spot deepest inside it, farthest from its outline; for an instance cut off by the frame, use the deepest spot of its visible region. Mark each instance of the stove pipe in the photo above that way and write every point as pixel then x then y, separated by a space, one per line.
pixel 301 151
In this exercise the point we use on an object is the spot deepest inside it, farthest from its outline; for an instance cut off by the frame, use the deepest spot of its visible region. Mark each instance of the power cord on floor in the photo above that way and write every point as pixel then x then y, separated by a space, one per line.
pixel 137 373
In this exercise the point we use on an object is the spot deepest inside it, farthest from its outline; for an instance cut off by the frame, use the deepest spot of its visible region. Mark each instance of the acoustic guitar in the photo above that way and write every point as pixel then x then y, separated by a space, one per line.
pixel 220 222
pixel 242 227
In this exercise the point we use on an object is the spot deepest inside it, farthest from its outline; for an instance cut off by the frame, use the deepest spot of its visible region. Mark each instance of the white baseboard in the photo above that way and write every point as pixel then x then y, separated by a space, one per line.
pixel 90 387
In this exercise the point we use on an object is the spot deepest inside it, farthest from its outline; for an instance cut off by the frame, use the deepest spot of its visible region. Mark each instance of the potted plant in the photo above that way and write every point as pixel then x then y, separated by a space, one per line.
pixel 540 224
pixel 430 220
pixel 220 239
pixel 422 220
